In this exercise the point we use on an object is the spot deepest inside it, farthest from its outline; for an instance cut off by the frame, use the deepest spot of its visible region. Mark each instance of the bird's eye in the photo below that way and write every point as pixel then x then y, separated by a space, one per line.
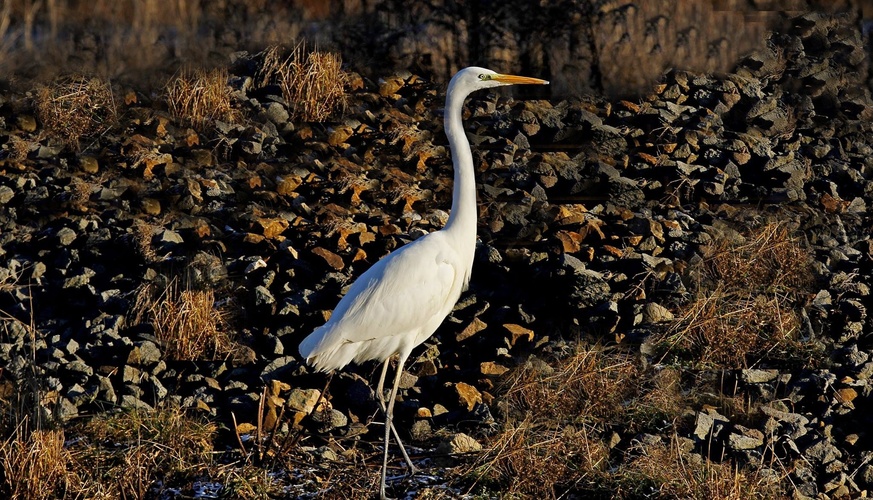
pixel 483 76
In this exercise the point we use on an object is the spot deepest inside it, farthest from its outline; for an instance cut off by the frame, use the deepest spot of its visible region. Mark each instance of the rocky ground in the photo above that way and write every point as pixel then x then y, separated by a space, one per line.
pixel 594 218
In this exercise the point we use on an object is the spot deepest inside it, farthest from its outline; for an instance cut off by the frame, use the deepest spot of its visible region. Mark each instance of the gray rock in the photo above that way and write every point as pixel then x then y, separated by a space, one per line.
pixel 457 444
pixel 131 375
pixel 263 297
pixel 276 113
pixel 78 371
pixel 81 279
pixel 303 400
pixel 252 148
pixel 330 420
pixel 745 439
pixel 279 368
pixel 6 194
pixel 78 395
pixel 168 237
pixel 865 475
pixel 656 313
pixel 66 410
pixel 105 390
pixel 792 424
pixel 144 353
pixel 153 389
pixel 822 452
pixel 70 346
pixel 271 346
pixel 708 424
pixel 131 402
pixel 758 376
pixel 326 454
pixel 111 193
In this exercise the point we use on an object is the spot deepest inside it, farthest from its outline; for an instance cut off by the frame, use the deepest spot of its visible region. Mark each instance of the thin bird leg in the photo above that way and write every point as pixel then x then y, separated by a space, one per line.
pixel 381 393
pixel 389 418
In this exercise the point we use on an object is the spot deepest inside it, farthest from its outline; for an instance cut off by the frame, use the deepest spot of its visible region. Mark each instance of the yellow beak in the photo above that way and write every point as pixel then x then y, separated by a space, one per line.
pixel 519 80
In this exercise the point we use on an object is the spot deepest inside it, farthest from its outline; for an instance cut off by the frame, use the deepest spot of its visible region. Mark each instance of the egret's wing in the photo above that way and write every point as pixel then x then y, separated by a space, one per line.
pixel 398 296
pixel 401 292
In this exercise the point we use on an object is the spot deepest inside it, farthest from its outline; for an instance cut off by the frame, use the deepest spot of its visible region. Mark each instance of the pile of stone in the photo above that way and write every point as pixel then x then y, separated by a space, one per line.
pixel 582 203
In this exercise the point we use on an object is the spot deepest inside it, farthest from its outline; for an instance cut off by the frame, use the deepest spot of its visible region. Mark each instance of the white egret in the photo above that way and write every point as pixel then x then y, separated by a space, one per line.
pixel 401 300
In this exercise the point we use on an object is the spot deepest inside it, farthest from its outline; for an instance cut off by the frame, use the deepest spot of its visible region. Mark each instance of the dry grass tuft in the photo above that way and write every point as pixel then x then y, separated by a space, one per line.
pixel 312 83
pixel 128 454
pixel 247 482
pixel 561 437
pixel 747 302
pixel 590 383
pixel 17 148
pixel 80 191
pixel 200 97
pixel 553 439
pixel 528 461
pixel 664 471
pixel 76 107
pixel 186 322
pixel 34 463
pixel 142 239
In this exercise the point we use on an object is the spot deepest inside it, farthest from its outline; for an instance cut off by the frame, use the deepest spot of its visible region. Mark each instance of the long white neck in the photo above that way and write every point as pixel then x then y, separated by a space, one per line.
pixel 462 221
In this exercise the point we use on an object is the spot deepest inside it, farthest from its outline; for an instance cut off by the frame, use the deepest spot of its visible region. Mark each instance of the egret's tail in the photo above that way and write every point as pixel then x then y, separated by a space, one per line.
pixel 310 344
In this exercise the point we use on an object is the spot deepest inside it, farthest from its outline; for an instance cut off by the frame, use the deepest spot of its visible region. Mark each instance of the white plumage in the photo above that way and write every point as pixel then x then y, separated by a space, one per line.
pixel 394 306
pixel 402 299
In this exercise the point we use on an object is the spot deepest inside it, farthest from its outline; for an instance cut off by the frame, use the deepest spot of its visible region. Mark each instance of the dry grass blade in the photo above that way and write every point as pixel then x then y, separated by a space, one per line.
pixel 186 322
pixel 200 97
pixel 146 447
pixel 313 83
pixel 770 257
pixel 272 64
pixel 142 233
pixel 551 442
pixel 34 463
pixel 529 461
pixel 17 149
pixel 6 46
pixel 747 301
pixel 591 384
pixel 561 436
pixel 76 107
pixel 665 470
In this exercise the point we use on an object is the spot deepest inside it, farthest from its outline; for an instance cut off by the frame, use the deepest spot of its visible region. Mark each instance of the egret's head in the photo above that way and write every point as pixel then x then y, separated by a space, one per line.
pixel 470 79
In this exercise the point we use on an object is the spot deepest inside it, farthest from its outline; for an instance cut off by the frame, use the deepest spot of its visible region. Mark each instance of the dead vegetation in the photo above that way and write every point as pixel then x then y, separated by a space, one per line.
pixel 187 322
pixel 552 441
pixel 559 437
pixel 17 149
pixel 109 38
pixel 747 303
pixel 664 470
pixel 200 97
pixel 126 454
pixel 33 459
pixel 645 38
pixel 141 235
pixel 129 453
pixel 120 455
pixel 74 108
pixel 312 82
pixel 33 463
pixel 566 427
